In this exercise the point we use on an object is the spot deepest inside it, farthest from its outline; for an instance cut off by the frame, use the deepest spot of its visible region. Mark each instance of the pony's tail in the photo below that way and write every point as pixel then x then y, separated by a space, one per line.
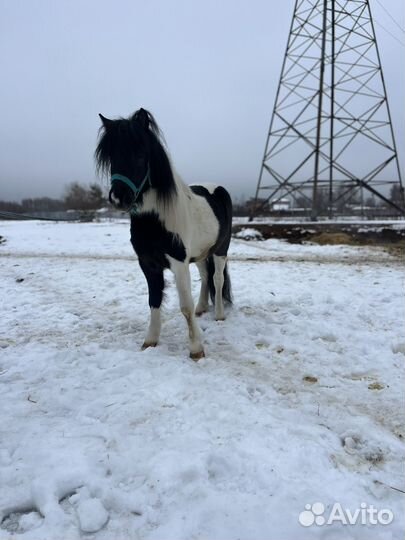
pixel 226 289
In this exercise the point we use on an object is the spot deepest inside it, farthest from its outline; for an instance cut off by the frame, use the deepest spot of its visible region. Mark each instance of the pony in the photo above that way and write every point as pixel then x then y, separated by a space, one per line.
pixel 172 224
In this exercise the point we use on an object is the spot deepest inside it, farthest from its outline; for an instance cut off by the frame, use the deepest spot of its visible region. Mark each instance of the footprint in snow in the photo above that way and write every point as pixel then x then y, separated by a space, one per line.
pixel 366 451
pixel 398 347
pixel 218 468
pixel 255 392
pixel 22 522
pixel 247 310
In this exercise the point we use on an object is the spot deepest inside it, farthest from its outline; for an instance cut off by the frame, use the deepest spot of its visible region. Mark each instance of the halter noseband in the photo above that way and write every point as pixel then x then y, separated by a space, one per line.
pixel 136 190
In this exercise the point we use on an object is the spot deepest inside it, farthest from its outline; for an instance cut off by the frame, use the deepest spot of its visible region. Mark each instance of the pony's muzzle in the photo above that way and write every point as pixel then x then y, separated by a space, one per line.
pixel 114 200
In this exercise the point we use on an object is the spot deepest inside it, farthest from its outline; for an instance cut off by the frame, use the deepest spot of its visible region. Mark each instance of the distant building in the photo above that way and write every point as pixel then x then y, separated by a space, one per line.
pixel 281 205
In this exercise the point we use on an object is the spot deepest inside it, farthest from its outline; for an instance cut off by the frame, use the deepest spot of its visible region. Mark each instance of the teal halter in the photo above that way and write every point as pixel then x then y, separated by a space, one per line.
pixel 136 190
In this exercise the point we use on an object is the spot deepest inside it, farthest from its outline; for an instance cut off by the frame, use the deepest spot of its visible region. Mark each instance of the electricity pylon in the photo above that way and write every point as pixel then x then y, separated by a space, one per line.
pixel 331 136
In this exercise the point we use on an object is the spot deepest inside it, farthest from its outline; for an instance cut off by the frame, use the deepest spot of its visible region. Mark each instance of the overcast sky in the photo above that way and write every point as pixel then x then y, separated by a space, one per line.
pixel 207 70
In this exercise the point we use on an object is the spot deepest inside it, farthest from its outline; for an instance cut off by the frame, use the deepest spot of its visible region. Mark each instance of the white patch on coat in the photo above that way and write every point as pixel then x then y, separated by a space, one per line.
pixel 189 216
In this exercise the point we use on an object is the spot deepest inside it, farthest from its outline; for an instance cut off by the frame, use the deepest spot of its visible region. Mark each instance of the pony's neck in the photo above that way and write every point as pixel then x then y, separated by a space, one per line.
pixel 173 212
pixel 181 187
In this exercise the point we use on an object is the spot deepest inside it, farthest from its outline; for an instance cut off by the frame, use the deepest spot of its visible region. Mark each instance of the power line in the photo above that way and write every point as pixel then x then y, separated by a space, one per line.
pixel 390 16
pixel 390 33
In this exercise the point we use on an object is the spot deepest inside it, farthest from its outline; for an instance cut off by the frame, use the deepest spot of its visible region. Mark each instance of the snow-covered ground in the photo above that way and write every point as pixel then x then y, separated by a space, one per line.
pixel 376 224
pixel 299 400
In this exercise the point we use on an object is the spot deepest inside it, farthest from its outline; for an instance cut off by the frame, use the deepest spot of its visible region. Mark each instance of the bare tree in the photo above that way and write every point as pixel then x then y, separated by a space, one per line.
pixel 79 197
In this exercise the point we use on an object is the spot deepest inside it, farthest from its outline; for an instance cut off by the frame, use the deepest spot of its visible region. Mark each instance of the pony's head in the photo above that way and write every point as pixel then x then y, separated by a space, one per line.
pixel 131 152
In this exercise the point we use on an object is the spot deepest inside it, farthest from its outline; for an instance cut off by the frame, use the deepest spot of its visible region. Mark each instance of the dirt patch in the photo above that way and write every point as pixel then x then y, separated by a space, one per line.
pixel 333 239
pixel 323 233
pixel 376 386
pixel 310 379
pixel 396 250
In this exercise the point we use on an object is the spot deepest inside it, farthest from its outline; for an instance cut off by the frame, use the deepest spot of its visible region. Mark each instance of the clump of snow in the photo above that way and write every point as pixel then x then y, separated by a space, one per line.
pixel 92 515
pixel 249 234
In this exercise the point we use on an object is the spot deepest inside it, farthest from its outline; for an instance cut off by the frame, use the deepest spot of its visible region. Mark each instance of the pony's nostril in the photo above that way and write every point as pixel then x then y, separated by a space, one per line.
pixel 115 200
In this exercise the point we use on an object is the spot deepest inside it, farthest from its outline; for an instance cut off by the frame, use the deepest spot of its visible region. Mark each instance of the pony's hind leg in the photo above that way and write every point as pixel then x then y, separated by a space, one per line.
pixel 183 282
pixel 219 263
pixel 202 304
pixel 155 280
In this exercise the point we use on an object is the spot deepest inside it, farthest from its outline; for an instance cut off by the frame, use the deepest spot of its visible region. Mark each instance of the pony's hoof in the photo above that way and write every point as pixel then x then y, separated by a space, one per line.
pixel 197 355
pixel 148 344
pixel 200 312
pixel 219 318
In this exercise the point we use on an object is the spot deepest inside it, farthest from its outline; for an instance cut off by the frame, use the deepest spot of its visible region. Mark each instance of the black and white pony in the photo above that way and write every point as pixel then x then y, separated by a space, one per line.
pixel 171 224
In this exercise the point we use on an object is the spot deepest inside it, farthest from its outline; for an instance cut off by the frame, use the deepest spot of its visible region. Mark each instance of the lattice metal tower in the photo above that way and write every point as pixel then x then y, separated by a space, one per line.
pixel 331 134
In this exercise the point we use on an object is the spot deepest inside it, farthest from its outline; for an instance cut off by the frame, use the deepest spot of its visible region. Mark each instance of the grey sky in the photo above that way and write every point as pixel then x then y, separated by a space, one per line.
pixel 207 70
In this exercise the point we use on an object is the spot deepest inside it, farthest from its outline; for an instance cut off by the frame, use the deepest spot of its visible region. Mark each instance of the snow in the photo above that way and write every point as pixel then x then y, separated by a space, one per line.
pixel 92 515
pixel 249 234
pixel 299 400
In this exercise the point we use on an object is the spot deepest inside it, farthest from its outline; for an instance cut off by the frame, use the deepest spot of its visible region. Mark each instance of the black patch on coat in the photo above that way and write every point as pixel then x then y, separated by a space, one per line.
pixel 155 280
pixel 152 241
pixel 221 204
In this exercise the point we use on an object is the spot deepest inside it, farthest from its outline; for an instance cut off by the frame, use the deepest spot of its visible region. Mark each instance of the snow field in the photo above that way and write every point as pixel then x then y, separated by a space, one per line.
pixel 299 400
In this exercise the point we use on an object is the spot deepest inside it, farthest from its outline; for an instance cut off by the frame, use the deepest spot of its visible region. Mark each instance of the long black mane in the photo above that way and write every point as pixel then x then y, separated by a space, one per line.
pixel 131 136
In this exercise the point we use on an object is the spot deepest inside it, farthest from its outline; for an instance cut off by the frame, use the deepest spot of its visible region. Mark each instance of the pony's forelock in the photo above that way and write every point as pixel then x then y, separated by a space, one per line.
pixel 152 124
pixel 102 154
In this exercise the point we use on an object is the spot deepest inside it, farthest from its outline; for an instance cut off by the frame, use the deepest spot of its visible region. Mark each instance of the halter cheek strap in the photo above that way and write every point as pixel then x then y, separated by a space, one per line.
pixel 136 190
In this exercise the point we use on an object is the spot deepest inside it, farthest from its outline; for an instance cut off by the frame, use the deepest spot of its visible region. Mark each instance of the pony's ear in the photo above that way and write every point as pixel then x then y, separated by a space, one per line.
pixel 142 117
pixel 106 121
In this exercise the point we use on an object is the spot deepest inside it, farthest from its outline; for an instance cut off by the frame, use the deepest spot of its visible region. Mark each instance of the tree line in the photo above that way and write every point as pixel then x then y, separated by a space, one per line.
pixel 80 197
pixel 345 199
pixel 76 197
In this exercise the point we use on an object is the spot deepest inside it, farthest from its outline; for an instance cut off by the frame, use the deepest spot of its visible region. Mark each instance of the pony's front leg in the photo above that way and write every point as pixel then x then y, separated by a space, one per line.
pixel 155 280
pixel 183 282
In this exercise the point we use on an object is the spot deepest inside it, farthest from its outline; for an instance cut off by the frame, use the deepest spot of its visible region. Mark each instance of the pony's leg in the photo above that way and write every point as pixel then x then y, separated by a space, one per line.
pixel 156 285
pixel 153 333
pixel 219 263
pixel 183 282
pixel 202 304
